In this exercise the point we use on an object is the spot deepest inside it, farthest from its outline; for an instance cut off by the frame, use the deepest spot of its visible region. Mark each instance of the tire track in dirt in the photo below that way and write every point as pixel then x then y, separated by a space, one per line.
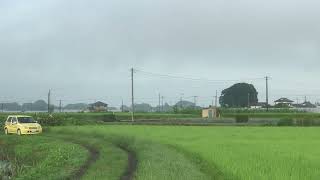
pixel 93 157
pixel 132 164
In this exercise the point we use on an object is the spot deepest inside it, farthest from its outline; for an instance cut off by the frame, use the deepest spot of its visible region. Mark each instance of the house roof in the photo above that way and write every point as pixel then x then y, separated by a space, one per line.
pixel 305 105
pixel 99 103
pixel 284 100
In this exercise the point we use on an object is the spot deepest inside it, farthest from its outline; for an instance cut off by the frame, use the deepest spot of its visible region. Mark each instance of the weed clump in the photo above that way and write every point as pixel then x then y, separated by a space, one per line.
pixel 285 122
pixel 242 119
pixel 6 170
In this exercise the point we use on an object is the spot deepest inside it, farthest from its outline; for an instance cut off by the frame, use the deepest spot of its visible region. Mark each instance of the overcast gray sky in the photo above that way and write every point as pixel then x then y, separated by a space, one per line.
pixel 83 49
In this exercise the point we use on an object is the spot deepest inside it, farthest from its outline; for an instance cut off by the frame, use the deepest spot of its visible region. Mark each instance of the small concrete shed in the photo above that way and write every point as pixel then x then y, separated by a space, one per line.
pixel 210 113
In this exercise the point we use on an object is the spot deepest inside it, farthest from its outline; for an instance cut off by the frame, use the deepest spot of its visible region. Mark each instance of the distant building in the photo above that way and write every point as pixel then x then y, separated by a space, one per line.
pixel 113 109
pixel 259 105
pixel 284 101
pixel 306 104
pixel 210 113
pixel 98 107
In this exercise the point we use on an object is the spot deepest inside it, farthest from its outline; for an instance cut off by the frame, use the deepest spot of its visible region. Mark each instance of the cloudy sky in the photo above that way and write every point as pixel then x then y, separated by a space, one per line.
pixel 83 49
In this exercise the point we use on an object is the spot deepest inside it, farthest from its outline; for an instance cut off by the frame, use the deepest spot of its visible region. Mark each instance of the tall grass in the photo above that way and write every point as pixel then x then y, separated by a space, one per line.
pixel 238 152
pixel 35 157
pixel 62 119
pixel 155 161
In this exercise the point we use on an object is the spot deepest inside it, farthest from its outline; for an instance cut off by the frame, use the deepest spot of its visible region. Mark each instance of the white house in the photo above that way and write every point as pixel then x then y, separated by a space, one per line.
pixel 284 101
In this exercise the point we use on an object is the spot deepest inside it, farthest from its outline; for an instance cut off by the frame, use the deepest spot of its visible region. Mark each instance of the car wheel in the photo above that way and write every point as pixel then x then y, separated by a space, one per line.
pixel 6 131
pixel 19 132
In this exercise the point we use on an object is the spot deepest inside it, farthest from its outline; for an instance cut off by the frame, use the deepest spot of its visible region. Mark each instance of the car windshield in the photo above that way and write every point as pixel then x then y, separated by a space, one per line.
pixel 26 120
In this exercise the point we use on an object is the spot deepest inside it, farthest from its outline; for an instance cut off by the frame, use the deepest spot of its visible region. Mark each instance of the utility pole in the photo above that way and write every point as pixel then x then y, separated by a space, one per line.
pixel 2 107
pixel 248 100
pixel 195 101
pixel 132 95
pixel 122 105
pixel 267 93
pixel 49 101
pixel 159 109
pixel 162 97
pixel 216 100
pixel 212 103
pixel 60 106
pixel 305 99
pixel 181 100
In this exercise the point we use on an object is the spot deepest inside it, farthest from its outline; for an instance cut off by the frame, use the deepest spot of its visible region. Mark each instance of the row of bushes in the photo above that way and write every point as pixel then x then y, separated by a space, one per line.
pixel 63 119
pixel 242 119
pixel 275 115
pixel 283 121
pixel 142 116
pixel 299 122
pixel 73 119
pixel 271 110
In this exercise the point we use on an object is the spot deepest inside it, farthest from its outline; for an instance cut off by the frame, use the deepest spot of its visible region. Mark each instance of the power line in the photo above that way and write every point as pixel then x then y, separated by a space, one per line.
pixel 194 79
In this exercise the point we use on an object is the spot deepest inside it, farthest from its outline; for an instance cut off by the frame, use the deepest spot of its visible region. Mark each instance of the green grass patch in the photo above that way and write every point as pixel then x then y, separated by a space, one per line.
pixel 237 152
pixel 37 157
pixel 155 161
pixel 112 161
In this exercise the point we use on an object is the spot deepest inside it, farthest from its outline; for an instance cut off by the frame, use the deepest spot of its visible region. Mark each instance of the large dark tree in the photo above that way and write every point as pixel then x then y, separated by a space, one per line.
pixel 237 95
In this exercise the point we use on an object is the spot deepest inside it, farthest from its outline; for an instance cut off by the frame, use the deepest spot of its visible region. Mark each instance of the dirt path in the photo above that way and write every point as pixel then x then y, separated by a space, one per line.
pixel 93 157
pixel 132 164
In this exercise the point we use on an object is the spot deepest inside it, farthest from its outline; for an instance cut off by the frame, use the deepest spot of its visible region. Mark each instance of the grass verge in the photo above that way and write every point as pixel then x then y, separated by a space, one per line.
pixel 37 157
pixel 155 161
pixel 111 163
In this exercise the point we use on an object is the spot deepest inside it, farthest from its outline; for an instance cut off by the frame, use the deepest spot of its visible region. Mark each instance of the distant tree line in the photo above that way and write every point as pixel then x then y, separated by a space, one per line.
pixel 39 105
pixel 184 107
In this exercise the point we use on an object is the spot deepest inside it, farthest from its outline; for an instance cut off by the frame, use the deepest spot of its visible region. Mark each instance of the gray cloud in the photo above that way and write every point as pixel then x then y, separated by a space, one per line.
pixel 84 49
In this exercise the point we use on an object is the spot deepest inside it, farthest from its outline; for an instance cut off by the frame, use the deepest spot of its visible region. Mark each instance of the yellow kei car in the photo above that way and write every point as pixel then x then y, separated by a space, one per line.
pixel 18 124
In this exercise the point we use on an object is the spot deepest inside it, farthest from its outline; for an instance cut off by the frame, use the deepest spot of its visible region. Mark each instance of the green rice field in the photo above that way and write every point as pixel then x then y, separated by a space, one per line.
pixel 173 152
pixel 229 152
